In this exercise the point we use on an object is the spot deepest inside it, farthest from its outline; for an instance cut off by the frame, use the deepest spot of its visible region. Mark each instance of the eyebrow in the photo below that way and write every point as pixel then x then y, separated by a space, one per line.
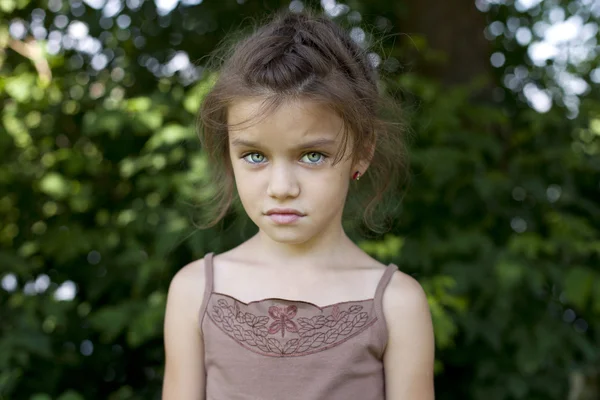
pixel 308 145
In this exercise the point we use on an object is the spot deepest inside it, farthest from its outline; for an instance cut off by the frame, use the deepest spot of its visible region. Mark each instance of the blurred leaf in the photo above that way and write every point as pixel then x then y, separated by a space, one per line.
pixel 112 320
pixel 195 95
pixel 55 185
pixel 168 135
pixel 149 120
pixel 596 292
pixel 578 285
pixel 147 324
pixel 20 86
pixel 70 395
pixel 41 396
pixel 385 249
pixel 509 273
pixel 124 393
pixel 97 122
pixel 138 104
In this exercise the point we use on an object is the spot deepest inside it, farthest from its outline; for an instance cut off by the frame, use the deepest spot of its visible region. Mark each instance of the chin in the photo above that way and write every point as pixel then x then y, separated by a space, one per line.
pixel 287 235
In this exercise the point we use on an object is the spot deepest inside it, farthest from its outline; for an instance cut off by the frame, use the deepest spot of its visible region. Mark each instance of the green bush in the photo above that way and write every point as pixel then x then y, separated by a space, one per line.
pixel 99 186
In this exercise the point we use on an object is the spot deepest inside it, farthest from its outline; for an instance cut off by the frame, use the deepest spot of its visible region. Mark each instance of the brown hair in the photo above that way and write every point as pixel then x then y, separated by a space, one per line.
pixel 307 56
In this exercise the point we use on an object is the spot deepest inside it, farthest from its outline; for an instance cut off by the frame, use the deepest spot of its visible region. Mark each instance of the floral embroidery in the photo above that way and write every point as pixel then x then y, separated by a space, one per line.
pixel 283 319
pixel 333 325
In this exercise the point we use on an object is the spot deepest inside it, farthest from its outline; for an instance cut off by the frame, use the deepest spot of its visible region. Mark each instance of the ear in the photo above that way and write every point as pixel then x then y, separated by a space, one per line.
pixel 360 166
pixel 363 164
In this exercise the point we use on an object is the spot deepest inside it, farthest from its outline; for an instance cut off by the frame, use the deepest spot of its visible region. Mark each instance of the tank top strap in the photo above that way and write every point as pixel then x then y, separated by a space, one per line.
pixel 208 274
pixel 382 332
pixel 383 282
pixel 208 285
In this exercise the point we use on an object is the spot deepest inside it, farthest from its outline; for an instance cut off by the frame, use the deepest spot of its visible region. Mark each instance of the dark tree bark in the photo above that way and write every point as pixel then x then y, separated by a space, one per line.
pixel 454 27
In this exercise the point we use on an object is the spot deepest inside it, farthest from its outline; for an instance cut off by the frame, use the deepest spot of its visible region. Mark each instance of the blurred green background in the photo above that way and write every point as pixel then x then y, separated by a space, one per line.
pixel 101 168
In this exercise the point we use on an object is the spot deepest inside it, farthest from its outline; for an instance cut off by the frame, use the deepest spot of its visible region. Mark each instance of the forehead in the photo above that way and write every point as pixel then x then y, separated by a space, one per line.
pixel 294 121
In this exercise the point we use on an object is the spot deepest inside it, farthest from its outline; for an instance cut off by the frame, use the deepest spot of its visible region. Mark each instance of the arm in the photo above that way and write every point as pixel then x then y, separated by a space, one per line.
pixel 184 350
pixel 409 355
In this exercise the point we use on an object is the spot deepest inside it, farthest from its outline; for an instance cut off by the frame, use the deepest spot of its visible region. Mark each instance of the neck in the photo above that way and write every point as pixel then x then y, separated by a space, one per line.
pixel 324 249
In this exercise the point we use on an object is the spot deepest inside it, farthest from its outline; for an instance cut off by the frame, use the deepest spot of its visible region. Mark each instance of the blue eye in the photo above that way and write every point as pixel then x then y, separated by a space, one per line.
pixel 254 158
pixel 313 158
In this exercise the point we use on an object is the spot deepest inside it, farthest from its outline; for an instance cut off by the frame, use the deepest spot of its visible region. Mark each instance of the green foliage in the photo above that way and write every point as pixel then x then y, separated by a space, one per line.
pixel 101 172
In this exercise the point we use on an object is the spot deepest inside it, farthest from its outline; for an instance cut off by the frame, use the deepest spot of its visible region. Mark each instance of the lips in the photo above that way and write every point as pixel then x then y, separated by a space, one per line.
pixel 284 211
pixel 284 215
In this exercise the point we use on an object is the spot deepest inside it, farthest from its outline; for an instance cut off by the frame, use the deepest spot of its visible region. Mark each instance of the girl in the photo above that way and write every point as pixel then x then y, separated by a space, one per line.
pixel 298 311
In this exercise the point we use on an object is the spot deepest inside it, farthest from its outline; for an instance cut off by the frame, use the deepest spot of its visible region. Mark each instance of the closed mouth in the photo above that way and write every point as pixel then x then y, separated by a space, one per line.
pixel 284 211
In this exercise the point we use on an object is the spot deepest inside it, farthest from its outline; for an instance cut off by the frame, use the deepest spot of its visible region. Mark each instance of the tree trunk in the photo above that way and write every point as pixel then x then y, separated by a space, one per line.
pixel 454 27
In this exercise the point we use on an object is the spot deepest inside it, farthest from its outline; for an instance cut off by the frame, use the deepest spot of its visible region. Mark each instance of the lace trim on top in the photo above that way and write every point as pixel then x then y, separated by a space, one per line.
pixel 286 328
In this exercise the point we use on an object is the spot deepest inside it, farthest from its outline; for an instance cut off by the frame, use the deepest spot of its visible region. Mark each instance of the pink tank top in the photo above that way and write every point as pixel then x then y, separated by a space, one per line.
pixel 278 349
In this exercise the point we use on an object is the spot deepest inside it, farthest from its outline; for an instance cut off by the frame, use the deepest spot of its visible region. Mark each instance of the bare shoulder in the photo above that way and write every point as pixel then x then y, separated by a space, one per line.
pixel 404 294
pixel 190 279
pixel 186 290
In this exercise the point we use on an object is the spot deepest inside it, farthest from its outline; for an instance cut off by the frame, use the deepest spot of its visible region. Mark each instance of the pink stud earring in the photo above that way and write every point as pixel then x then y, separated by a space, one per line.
pixel 356 176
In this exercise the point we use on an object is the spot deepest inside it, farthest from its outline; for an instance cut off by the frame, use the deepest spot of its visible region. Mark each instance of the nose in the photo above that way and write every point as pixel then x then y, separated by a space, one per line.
pixel 283 182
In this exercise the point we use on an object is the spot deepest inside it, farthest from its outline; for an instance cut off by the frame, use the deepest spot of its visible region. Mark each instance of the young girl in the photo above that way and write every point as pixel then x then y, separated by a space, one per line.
pixel 298 311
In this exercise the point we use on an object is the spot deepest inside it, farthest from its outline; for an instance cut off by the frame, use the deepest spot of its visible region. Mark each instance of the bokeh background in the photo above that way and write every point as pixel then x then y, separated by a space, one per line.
pixel 101 168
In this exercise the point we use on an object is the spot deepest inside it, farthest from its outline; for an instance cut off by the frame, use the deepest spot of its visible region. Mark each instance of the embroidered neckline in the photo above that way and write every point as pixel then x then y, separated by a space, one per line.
pixel 281 333
pixel 279 299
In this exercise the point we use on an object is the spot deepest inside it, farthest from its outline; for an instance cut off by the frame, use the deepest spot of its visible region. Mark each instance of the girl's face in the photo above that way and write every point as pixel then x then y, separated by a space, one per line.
pixel 284 172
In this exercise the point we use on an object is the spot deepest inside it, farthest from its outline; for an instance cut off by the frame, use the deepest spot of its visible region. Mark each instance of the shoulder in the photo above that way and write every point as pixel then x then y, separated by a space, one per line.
pixel 404 295
pixel 186 290
pixel 189 280
pixel 406 308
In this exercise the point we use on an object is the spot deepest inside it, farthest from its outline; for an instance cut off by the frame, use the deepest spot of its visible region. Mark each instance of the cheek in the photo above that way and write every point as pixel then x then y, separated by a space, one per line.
pixel 328 189
pixel 248 184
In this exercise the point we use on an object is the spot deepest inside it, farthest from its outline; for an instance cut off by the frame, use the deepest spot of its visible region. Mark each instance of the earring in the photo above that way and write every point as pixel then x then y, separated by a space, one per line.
pixel 356 176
